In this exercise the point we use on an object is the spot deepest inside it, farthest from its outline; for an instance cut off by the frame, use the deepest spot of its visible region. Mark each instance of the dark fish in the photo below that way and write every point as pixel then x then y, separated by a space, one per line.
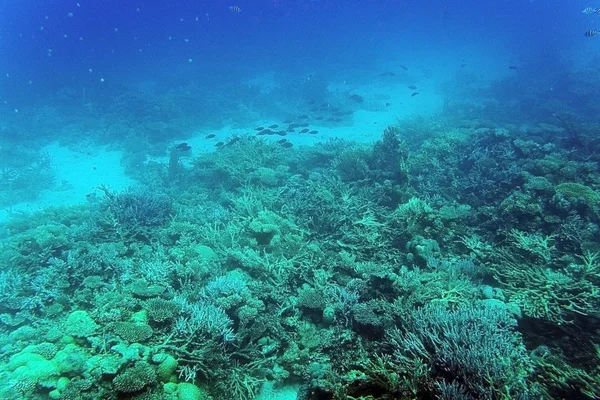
pixel 463 65
pixel 387 104
pixel 212 135
pixel 412 87
pixel 268 132
pixel 311 101
pixel 281 133
pixel 290 130
pixel 219 144
pixel 324 105
pixel 234 141
pixel 293 126
pixel 287 145
pixel 387 73
pixel 314 109
pixel 404 67
pixel 331 119
pixel 303 116
pixel 274 126
pixel 513 67
pixel 183 147
pixel 356 98
pixel 287 121
pixel 319 118
pixel 337 120
pixel 261 133
pixel 413 94
pixel 313 132
pixel 590 33
pixel 235 9
pixel 303 125
pixel 304 130
pixel 282 141
pixel 260 128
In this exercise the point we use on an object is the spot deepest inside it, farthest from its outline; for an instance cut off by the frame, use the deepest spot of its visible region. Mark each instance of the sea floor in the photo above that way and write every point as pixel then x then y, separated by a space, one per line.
pixel 80 170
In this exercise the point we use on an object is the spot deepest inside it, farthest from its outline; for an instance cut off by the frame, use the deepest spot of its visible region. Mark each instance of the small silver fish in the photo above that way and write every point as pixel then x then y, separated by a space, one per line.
pixel 588 10
pixel 590 33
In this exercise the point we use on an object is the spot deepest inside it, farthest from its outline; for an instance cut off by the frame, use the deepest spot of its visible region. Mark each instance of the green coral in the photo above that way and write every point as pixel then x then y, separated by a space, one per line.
pixel 134 379
pixel 161 310
pixel 132 331
pixel 80 324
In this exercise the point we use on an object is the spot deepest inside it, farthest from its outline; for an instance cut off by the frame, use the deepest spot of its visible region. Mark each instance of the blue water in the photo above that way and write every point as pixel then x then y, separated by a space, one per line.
pixel 49 45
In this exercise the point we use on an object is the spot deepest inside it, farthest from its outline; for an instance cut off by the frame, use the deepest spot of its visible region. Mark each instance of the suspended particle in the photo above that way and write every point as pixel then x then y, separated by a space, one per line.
pixel 186 40
pixel 190 60
pixel 70 15
pixel 101 80
pixel 90 70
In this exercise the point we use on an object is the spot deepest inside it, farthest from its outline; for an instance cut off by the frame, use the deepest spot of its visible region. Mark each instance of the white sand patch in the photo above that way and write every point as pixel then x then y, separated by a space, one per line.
pixel 78 173
pixel 269 391
pixel 384 106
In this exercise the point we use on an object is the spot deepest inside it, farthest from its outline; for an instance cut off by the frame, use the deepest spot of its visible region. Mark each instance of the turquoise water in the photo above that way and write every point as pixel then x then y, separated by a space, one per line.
pixel 299 199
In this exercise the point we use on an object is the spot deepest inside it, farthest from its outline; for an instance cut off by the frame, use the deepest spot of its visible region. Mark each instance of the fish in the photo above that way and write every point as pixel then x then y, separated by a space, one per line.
pixel 313 132
pixel 413 94
pixel 387 73
pixel 211 136
pixel 303 116
pixel 588 10
pixel 412 87
pixel 274 126
pixel 404 67
pixel 319 118
pixel 183 147
pixel 463 65
pixel 388 104
pixel 303 125
pixel 513 67
pixel 282 141
pixel 591 33
pixel 235 9
pixel 293 126
pixel 219 144
pixel 305 130
pixel 286 144
pixel 287 121
pixel 260 128
pixel 268 132
pixel 281 133
pixel 356 98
